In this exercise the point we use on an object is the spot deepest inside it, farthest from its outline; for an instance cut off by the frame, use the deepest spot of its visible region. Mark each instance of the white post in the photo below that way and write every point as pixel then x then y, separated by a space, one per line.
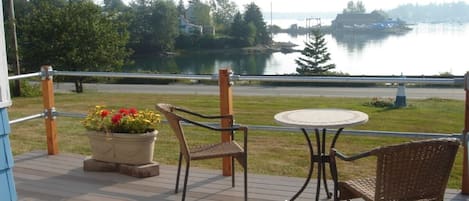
pixel 400 96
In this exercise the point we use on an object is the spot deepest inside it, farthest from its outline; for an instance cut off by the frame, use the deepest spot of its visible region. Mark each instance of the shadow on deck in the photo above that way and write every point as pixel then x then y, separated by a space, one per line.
pixel 40 177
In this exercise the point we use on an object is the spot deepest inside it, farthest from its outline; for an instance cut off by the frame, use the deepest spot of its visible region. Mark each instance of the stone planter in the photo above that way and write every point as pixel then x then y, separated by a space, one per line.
pixel 134 149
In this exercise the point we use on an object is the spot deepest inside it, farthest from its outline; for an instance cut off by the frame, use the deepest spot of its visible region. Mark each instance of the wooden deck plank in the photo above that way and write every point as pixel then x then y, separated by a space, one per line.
pixel 40 177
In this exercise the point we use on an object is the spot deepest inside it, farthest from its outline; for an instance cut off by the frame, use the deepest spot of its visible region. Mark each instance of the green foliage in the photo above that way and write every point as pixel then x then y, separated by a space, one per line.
pixel 250 29
pixel 124 120
pixel 180 8
pixel 315 56
pixel 253 15
pixel 72 35
pixel 446 74
pixel 114 5
pixel 147 34
pixel 381 102
pixel 199 13
pixel 223 14
pixel 27 89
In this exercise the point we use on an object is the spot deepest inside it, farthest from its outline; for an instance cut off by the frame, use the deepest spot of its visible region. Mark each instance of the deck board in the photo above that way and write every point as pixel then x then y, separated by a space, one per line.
pixel 40 177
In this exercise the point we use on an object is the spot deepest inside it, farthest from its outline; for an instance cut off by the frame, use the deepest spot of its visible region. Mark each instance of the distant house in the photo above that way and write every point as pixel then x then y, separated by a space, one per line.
pixel 188 28
pixel 374 21
pixel 188 24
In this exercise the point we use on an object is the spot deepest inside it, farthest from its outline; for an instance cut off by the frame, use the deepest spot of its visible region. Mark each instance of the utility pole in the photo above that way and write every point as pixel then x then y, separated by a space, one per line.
pixel 17 89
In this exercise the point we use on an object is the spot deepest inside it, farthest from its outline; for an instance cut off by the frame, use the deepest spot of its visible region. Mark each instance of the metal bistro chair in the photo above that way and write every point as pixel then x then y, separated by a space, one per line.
pixel 410 171
pixel 225 149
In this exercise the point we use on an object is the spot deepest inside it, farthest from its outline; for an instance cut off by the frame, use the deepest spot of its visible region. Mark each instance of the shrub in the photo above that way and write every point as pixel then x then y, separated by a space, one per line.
pixel 27 88
pixel 380 102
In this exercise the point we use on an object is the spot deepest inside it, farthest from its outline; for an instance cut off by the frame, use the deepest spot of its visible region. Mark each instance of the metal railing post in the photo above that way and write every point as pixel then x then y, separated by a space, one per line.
pixel 465 169
pixel 226 108
pixel 401 100
pixel 49 109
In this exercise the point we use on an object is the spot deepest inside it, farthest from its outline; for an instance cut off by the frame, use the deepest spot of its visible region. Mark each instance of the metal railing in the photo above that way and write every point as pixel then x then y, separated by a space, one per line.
pixel 270 78
pixel 275 78
pixel 50 113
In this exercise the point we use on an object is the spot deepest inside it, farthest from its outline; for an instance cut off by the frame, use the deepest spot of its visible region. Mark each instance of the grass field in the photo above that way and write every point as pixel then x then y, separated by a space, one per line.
pixel 270 152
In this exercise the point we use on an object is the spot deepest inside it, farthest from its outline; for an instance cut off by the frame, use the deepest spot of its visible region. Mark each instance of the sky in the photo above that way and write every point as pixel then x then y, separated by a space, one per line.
pixel 325 5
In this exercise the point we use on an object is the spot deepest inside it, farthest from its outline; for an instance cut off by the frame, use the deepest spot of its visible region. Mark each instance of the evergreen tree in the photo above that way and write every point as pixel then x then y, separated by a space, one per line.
pixel 181 9
pixel 315 55
pixel 253 15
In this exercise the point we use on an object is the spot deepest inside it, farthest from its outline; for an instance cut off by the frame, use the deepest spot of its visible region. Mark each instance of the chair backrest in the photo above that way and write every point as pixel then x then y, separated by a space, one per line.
pixel 415 170
pixel 174 121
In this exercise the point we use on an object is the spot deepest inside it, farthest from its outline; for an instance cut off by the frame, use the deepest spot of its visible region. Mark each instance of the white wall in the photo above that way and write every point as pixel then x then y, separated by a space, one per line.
pixel 5 99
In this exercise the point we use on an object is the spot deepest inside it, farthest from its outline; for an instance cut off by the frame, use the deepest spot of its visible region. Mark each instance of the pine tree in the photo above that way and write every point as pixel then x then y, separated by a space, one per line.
pixel 315 55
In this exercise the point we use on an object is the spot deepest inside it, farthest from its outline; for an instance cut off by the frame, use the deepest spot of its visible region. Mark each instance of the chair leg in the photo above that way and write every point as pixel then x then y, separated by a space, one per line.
pixel 178 173
pixel 232 172
pixel 188 164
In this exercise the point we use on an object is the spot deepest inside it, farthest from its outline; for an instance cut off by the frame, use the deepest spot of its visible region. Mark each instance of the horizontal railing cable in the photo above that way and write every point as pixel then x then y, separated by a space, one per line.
pixel 28 118
pixel 294 129
pixel 269 78
pixel 137 75
pixel 24 76
pixel 332 79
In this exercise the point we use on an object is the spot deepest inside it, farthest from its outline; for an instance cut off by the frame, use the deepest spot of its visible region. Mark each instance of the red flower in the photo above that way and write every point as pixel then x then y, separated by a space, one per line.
pixel 123 111
pixel 133 111
pixel 104 113
pixel 116 118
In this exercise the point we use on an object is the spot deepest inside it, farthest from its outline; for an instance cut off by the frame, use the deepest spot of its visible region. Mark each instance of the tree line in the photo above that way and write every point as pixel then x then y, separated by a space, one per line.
pixel 81 35
pixel 443 12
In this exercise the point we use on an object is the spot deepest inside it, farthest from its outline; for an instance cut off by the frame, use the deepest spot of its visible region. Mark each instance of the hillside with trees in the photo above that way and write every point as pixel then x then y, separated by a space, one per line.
pixel 432 13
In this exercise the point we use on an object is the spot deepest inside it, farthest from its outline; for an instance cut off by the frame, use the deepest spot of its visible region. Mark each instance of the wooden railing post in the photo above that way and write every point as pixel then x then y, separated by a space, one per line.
pixel 226 108
pixel 465 168
pixel 49 109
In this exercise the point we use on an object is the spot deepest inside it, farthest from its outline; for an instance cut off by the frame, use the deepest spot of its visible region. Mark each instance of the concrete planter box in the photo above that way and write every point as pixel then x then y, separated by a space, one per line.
pixel 134 149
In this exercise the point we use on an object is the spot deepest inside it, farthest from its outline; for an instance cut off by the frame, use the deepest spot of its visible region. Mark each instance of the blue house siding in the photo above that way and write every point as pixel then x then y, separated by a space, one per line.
pixel 7 185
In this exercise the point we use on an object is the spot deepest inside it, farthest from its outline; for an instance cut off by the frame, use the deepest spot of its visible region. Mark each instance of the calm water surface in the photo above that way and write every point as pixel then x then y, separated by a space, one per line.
pixel 429 49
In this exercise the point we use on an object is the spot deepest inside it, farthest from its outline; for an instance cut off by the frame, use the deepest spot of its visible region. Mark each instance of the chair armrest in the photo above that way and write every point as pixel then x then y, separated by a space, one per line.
pixel 335 152
pixel 232 128
pixel 202 115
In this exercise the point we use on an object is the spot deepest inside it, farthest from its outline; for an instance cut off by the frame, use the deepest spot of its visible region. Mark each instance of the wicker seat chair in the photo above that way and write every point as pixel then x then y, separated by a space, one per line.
pixel 226 149
pixel 411 171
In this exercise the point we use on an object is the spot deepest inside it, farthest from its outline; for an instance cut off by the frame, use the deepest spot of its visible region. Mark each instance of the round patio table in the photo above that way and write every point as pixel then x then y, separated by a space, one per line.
pixel 320 119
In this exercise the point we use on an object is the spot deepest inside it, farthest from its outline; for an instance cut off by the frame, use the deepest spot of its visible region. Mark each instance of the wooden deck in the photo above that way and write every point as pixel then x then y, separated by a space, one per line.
pixel 39 177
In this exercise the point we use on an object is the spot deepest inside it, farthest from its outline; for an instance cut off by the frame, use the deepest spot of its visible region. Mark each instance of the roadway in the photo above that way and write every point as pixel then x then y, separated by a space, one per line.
pixel 356 92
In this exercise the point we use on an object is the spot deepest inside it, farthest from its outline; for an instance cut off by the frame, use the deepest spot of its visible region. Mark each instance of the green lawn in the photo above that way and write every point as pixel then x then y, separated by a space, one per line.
pixel 270 152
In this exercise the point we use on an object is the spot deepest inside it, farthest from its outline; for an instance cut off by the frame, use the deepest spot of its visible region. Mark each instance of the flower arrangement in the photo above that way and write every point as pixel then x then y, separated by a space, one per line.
pixel 124 120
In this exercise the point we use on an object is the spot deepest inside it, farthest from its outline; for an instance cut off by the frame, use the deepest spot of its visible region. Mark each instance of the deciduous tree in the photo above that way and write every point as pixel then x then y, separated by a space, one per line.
pixel 223 13
pixel 154 26
pixel 72 35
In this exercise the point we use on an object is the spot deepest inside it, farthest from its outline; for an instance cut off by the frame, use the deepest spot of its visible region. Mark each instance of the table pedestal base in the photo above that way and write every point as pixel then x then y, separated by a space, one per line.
pixel 321 159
